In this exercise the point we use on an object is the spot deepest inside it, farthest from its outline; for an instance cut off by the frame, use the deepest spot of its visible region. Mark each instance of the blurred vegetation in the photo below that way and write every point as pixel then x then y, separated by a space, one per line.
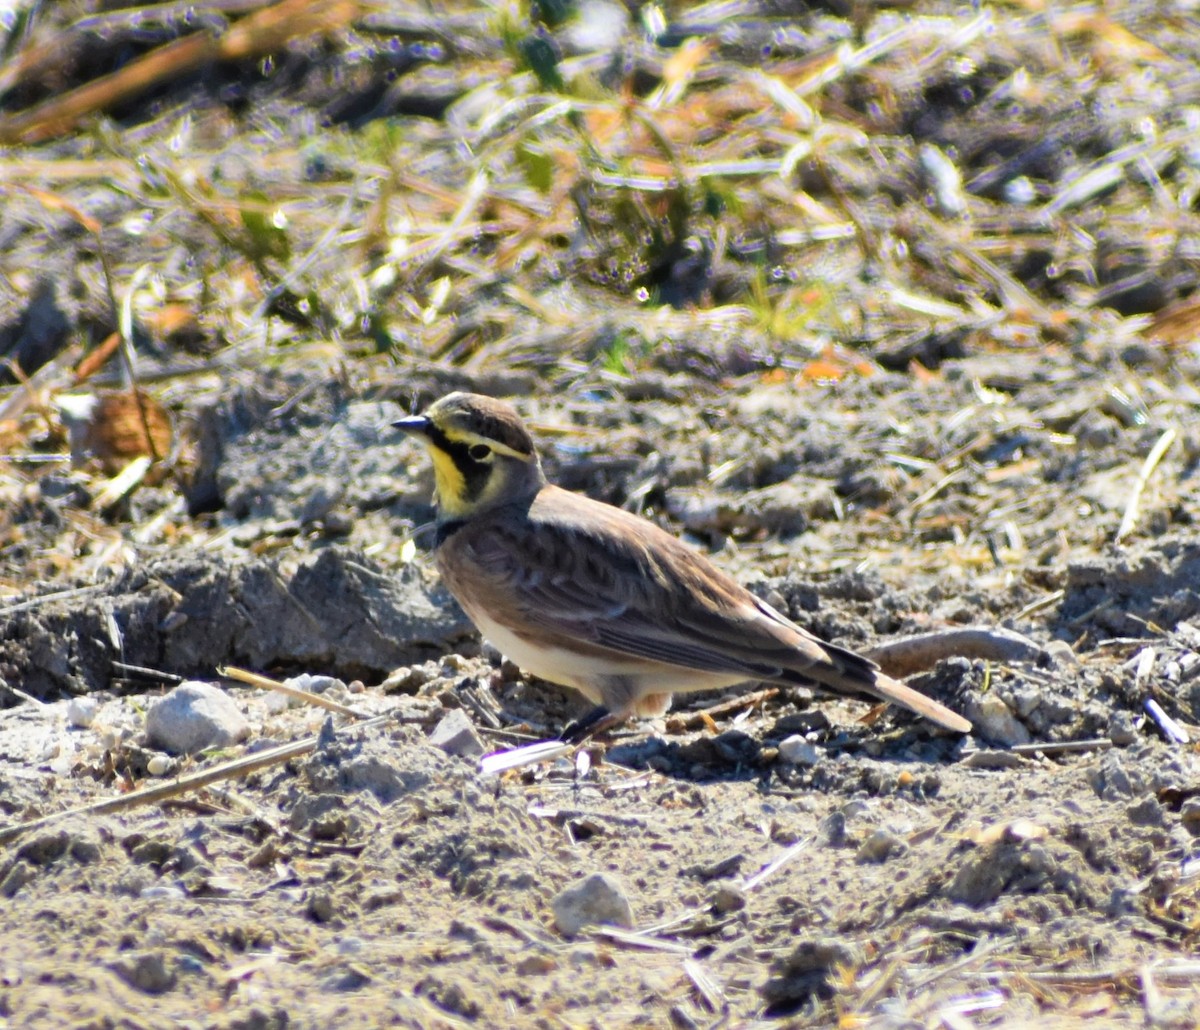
pixel 513 182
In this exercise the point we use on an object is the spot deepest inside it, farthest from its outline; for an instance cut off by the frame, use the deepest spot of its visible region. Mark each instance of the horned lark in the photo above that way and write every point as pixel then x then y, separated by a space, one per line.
pixel 587 595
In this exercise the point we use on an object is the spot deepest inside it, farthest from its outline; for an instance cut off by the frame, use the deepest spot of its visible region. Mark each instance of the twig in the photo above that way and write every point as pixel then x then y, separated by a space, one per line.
pixel 57 595
pixel 122 484
pixel 773 867
pixel 266 30
pixel 1148 466
pixel 1063 747
pixel 157 675
pixel 1042 602
pixel 641 940
pixel 912 654
pixel 690 720
pixel 1171 729
pixel 152 795
pixel 517 757
pixel 17 692
pixel 253 679
pixel 990 758
pixel 706 986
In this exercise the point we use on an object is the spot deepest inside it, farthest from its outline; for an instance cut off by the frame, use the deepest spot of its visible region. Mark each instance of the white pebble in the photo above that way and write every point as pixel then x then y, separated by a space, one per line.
pixel 81 711
pixel 161 765
pixel 798 751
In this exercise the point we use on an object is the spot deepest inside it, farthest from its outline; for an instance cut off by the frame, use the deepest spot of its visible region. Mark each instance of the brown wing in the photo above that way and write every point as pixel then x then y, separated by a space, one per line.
pixel 586 571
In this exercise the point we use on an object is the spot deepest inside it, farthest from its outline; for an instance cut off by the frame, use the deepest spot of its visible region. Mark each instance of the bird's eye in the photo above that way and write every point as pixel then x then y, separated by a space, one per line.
pixel 479 451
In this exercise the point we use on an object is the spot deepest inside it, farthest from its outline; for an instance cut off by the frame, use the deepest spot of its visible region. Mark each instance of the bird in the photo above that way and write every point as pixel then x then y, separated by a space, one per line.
pixel 596 598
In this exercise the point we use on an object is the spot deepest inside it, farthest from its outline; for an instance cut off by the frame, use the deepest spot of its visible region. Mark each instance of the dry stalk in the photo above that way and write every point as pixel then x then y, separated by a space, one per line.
pixel 153 795
pixel 923 651
pixel 253 679
pixel 1129 520
pixel 692 720
pixel 260 33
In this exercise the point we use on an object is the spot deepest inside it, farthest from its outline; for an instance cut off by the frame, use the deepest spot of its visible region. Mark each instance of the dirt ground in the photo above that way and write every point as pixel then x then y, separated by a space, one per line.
pixel 888 470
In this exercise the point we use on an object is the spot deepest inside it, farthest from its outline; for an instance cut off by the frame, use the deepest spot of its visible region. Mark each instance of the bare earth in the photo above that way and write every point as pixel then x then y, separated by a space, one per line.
pixel 889 417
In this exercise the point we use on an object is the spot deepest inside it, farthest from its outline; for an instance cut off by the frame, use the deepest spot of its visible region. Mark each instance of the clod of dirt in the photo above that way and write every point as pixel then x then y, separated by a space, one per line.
pixel 374 766
pixel 1119 594
pixel 147 972
pixel 1110 779
pixel 1015 866
pixel 194 716
pixel 806 971
pixel 597 898
pixel 340 612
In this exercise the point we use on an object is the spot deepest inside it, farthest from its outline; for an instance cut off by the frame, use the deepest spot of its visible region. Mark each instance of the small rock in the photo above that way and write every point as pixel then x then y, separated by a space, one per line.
pixel 1147 812
pixel 194 716
pixel 798 751
pixel 1122 730
pixel 1061 654
pixel 19 875
pixel 81 712
pixel 454 663
pixel 351 946
pixel 147 972
pixel 275 702
pixel 855 808
pixel 456 736
pixel 320 906
pixel 314 684
pixel 988 758
pixel 880 846
pixel 410 679
pixel 598 898
pixel 728 898
pixel 1111 780
pixel 1025 699
pixel 84 850
pixel 995 721
pixel 161 765
pixel 1190 814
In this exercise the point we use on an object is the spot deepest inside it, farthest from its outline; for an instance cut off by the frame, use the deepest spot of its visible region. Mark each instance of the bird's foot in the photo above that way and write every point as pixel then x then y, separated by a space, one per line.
pixel 596 721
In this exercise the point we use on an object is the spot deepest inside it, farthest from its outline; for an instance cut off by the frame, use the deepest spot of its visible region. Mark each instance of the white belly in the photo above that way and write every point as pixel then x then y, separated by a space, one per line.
pixel 587 673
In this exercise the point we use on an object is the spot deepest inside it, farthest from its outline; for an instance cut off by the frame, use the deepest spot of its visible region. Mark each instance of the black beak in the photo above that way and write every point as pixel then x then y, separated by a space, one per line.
pixel 414 425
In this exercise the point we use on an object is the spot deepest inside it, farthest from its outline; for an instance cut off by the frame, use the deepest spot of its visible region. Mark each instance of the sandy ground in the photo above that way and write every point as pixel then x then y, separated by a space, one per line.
pixel 889 874
pixel 910 351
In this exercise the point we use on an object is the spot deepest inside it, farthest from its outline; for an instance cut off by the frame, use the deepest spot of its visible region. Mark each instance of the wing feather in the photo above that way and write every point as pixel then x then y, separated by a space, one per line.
pixel 585 573
pixel 614 592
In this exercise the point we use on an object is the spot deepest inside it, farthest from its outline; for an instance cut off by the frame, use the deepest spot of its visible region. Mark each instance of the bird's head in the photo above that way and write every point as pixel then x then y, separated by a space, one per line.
pixel 483 456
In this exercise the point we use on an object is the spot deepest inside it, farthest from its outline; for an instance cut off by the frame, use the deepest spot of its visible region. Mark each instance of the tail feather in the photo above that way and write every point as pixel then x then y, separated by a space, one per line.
pixel 863 678
pixel 897 693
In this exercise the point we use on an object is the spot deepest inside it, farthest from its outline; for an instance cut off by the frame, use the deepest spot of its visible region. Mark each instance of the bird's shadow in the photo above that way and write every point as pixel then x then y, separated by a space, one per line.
pixel 842 759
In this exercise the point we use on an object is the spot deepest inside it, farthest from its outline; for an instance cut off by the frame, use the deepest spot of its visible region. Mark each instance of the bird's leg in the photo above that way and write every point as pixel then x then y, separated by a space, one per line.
pixel 595 721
